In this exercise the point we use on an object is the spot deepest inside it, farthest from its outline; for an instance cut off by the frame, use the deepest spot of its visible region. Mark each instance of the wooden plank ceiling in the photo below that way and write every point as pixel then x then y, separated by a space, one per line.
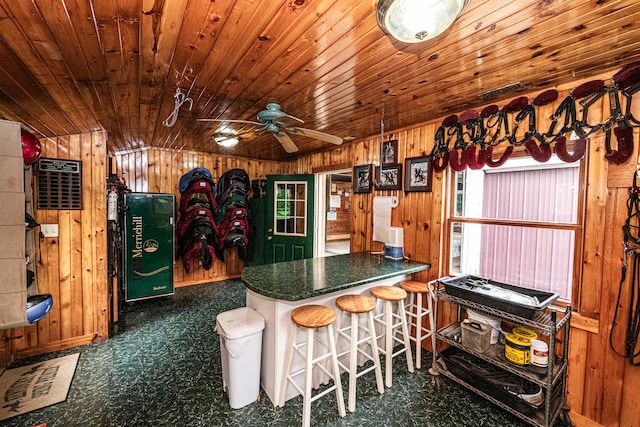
pixel 71 66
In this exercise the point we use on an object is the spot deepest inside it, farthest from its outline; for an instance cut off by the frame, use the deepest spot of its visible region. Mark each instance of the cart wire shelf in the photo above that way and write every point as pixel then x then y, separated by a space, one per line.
pixel 541 321
pixel 491 357
pixel 537 421
pixel 548 320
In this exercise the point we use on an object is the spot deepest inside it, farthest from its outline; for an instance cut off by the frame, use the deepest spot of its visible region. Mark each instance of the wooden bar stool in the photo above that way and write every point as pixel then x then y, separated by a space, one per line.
pixel 391 321
pixel 355 305
pixel 313 318
pixel 416 313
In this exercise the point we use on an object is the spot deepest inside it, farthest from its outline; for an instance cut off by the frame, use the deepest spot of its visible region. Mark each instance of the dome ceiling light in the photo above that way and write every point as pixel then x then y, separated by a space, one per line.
pixel 227 140
pixel 415 21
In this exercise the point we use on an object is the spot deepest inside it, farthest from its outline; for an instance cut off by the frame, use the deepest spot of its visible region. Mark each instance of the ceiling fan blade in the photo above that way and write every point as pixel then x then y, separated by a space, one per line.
pixel 249 122
pixel 290 117
pixel 228 134
pixel 286 142
pixel 247 132
pixel 316 134
pixel 274 114
pixel 286 121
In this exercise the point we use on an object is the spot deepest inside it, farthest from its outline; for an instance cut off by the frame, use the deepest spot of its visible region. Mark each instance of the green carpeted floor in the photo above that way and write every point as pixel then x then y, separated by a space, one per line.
pixel 163 368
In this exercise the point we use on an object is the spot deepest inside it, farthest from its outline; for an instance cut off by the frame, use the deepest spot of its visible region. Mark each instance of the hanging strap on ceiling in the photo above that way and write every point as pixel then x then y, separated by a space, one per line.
pixel 180 98
pixel 382 126
pixel 631 243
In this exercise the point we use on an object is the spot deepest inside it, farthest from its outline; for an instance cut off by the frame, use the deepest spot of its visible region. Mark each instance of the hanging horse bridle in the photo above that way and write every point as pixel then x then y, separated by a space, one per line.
pixel 456 140
pixel 631 242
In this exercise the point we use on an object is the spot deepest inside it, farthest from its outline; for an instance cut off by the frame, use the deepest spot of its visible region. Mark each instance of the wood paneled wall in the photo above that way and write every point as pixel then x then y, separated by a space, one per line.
pixel 159 171
pixel 73 266
pixel 419 213
pixel 601 385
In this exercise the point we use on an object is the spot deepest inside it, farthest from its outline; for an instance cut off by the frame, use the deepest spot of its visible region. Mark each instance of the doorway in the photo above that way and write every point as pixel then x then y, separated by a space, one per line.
pixel 289 217
pixel 333 213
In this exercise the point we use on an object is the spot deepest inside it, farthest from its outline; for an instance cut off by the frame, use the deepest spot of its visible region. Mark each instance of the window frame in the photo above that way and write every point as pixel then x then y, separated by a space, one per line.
pixel 295 216
pixel 578 228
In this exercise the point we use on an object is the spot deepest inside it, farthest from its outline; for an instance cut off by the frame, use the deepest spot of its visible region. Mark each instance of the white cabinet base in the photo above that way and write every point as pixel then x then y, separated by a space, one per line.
pixel 278 329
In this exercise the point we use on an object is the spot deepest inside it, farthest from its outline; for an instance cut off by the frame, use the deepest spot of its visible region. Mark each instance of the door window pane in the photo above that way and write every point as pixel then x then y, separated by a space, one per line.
pixel 291 208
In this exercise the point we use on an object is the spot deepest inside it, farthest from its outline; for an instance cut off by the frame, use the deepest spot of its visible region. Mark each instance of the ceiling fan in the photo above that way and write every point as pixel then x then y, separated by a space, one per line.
pixel 275 121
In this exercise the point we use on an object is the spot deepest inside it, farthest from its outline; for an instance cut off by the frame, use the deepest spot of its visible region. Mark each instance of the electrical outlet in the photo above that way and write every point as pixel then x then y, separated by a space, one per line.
pixel 49 230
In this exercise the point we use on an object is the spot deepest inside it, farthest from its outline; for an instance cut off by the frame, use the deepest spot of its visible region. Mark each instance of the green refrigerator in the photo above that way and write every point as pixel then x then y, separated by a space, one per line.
pixel 149 228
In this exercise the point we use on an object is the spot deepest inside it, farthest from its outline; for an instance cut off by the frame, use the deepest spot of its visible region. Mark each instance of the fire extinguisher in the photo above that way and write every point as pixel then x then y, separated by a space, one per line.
pixel 112 205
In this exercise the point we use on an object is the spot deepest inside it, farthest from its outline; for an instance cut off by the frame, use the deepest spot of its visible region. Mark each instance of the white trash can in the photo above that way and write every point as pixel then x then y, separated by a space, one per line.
pixel 240 333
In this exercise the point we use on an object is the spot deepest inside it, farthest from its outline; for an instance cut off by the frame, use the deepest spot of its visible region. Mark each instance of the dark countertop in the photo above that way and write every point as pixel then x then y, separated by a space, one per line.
pixel 297 280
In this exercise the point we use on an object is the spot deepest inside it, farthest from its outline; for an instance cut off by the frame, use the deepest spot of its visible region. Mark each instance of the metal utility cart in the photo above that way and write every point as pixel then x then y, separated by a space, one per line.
pixel 547 321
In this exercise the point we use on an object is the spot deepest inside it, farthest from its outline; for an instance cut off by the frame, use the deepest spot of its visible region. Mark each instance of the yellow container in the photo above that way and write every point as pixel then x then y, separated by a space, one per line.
pixel 517 350
pixel 525 333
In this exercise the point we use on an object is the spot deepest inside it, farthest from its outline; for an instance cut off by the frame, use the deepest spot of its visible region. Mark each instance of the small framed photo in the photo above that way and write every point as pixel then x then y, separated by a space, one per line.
pixel 389 152
pixel 417 174
pixel 389 177
pixel 362 179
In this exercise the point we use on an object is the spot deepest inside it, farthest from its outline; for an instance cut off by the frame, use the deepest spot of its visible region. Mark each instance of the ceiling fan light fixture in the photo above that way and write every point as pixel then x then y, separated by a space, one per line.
pixel 414 21
pixel 226 140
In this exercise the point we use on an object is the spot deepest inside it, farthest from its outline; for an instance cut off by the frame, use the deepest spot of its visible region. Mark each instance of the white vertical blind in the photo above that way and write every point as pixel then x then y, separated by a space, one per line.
pixel 538 258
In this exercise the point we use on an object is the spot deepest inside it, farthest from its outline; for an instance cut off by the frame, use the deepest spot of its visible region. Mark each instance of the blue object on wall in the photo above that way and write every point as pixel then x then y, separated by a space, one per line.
pixel 38 306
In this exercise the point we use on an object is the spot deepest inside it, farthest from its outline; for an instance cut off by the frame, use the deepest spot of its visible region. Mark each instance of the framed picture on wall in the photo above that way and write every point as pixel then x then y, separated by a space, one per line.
pixel 389 177
pixel 389 152
pixel 362 179
pixel 417 174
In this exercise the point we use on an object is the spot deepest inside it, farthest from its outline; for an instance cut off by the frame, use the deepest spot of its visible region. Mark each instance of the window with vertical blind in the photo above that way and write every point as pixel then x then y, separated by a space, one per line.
pixel 518 224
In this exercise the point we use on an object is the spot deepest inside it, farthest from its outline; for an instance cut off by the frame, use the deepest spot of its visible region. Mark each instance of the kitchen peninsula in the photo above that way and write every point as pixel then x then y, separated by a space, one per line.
pixel 276 289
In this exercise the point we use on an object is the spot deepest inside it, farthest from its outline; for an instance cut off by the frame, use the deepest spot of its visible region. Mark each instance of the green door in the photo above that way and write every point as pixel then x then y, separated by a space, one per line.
pixel 289 217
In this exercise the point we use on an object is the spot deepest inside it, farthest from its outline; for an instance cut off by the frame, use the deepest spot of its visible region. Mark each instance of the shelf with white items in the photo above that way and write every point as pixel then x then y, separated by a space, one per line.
pixel 543 320
pixel 552 378
pixel 495 355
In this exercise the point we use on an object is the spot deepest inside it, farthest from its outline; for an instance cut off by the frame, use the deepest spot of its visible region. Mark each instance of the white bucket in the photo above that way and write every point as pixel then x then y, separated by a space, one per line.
pixel 494 323
pixel 539 353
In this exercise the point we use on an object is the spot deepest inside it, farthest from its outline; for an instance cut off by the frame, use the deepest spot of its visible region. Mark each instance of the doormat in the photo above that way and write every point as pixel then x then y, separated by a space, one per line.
pixel 35 386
